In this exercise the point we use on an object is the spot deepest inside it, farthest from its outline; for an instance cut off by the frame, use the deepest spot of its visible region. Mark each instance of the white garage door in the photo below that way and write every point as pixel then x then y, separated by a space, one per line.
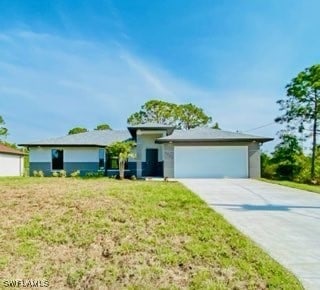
pixel 210 161
pixel 10 165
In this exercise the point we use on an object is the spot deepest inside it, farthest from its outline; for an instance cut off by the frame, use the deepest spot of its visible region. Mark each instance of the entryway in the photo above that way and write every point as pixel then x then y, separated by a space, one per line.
pixel 152 162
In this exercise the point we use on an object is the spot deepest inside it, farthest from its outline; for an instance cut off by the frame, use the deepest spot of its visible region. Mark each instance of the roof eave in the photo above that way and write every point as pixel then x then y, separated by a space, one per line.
pixel 14 153
pixel 260 140
pixel 62 145
pixel 133 130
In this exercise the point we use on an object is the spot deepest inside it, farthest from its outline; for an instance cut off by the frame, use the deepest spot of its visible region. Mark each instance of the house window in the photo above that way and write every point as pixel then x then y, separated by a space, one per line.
pixel 113 162
pixel 57 159
pixel 101 158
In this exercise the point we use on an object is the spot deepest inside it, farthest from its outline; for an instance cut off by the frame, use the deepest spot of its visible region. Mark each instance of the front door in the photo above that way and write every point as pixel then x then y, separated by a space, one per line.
pixel 151 162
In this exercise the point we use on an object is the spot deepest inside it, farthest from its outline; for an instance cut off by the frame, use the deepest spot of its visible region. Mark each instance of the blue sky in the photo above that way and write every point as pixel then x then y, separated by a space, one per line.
pixel 80 63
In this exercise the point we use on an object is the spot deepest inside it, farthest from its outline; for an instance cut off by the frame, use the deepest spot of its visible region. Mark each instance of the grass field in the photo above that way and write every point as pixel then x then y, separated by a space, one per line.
pixel 308 187
pixel 108 234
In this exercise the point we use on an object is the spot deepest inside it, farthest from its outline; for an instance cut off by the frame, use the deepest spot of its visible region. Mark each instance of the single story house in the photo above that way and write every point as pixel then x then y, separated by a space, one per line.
pixel 11 161
pixel 160 150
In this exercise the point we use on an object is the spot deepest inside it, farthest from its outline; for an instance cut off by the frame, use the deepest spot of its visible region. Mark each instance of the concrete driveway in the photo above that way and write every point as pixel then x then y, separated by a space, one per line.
pixel 285 222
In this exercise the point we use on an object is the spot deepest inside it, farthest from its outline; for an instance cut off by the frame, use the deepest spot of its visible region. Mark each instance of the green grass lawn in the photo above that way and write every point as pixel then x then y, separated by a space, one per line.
pixel 308 187
pixel 108 234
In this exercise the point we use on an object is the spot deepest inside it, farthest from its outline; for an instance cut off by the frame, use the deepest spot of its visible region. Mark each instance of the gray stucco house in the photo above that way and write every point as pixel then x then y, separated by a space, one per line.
pixel 160 151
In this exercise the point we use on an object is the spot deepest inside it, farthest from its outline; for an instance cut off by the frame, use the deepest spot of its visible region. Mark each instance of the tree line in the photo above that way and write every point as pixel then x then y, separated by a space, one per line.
pixel 77 130
pixel 180 116
pixel 301 115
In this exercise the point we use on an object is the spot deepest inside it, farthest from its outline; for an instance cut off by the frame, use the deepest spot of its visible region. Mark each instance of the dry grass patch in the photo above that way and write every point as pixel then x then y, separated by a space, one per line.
pixel 106 234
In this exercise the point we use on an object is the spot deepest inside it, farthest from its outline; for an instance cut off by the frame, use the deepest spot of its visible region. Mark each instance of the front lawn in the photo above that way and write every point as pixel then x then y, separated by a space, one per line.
pixel 308 187
pixel 108 234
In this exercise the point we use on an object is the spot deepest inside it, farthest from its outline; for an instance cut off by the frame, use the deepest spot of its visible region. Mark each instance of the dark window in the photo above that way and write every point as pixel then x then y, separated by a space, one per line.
pixel 113 162
pixel 101 158
pixel 57 159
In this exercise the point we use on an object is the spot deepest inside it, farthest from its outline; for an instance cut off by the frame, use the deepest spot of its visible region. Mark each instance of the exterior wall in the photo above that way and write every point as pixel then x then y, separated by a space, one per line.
pixel 134 152
pixel 75 154
pixel 44 166
pixel 254 160
pixel 84 167
pixel 147 141
pixel 168 166
pixel 11 165
pixel 130 171
pixel 159 169
pixel 85 159
pixel 71 154
pixel 40 154
pixel 132 166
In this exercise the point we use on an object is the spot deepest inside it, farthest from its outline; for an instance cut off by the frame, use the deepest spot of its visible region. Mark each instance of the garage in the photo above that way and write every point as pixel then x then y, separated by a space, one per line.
pixel 210 161
pixel 11 161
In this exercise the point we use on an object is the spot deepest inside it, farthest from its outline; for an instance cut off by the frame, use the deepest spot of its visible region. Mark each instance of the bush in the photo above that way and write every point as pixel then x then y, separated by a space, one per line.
pixel 95 174
pixel 288 171
pixel 38 173
pixel 26 172
pixel 55 174
pixel 268 169
pixel 62 173
pixel 75 173
pixel 304 173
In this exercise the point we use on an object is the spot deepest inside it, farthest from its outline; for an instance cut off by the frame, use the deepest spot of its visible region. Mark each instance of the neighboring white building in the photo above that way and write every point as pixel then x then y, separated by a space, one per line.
pixel 11 161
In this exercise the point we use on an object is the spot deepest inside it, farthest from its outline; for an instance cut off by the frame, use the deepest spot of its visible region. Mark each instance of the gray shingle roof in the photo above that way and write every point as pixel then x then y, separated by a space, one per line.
pixel 106 137
pixel 208 134
pixel 92 138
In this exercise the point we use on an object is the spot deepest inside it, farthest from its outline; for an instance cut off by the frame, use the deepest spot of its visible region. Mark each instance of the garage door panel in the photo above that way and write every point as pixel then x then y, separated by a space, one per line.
pixel 210 161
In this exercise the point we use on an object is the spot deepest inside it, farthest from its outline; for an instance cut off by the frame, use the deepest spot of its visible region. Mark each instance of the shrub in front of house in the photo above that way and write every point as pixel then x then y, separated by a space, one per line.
pixel 38 173
pixel 95 174
pixel 75 173
pixel 62 173
pixel 55 174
